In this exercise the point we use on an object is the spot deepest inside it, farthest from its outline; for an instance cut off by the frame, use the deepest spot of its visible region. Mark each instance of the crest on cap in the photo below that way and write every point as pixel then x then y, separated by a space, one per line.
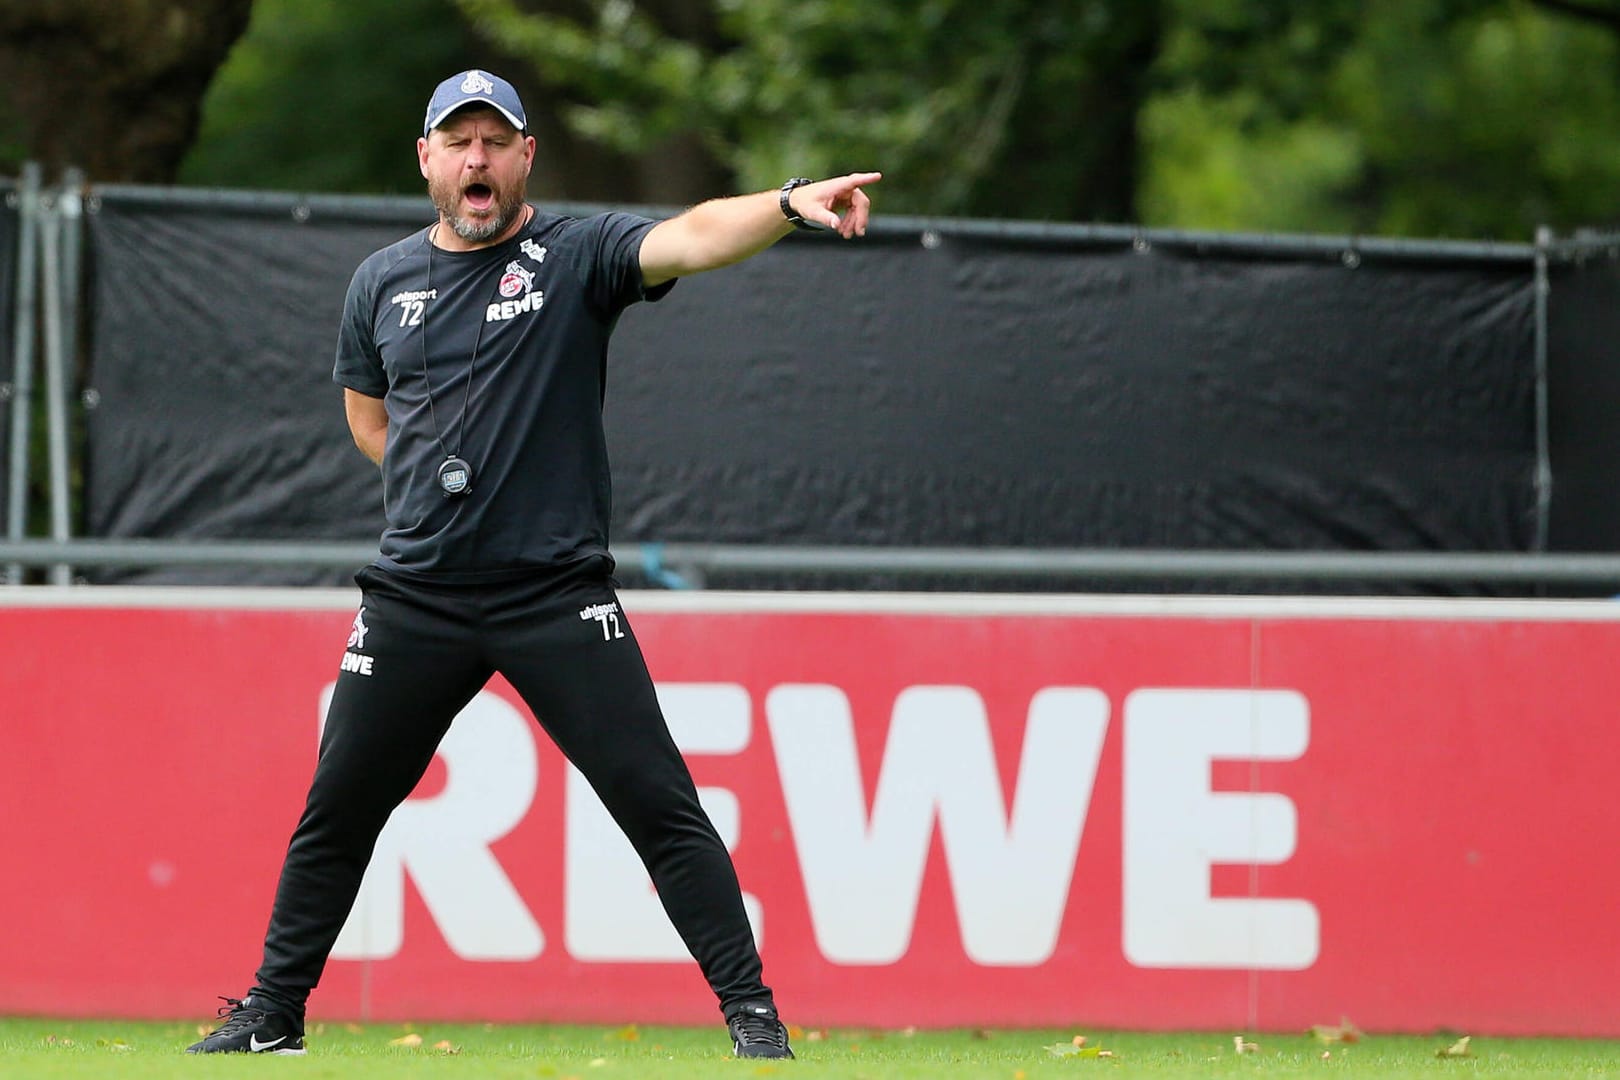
pixel 477 82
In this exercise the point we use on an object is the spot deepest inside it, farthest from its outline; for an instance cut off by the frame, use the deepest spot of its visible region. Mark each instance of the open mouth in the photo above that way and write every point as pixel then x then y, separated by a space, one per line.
pixel 480 197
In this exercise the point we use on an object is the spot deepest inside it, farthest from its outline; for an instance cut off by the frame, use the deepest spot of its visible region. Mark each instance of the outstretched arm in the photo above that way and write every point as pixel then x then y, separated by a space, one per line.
pixel 724 231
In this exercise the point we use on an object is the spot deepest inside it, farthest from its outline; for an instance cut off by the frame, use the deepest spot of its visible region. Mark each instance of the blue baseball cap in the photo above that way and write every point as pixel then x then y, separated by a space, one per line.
pixel 474 88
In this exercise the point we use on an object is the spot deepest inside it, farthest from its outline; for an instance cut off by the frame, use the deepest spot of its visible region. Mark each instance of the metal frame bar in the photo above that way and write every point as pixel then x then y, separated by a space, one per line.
pixel 1347 249
pixel 696 560
pixel 22 382
pixel 54 222
pixel 1544 476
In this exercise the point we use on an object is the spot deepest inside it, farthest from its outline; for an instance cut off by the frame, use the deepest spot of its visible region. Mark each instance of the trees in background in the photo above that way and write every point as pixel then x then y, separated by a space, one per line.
pixel 1020 108
pixel 114 89
pixel 323 96
pixel 1466 118
pixel 1472 118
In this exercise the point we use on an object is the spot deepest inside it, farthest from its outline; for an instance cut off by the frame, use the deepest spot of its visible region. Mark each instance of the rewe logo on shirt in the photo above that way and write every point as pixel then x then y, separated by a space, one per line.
pixel 511 309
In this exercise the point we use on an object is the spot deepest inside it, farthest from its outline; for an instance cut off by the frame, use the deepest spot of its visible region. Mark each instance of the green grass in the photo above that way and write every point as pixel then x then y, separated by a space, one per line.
pixel 33 1049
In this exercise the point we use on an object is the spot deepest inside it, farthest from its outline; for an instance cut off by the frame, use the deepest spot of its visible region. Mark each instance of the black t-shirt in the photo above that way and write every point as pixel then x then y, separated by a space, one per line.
pixel 528 320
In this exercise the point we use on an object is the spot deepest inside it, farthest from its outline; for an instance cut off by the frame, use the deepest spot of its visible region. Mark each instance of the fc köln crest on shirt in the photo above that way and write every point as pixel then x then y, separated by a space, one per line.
pixel 520 295
pixel 516 280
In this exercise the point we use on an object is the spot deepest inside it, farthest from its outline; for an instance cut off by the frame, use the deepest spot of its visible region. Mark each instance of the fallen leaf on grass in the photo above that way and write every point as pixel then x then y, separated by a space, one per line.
pixel 1244 1046
pixel 628 1034
pixel 411 1040
pixel 1458 1049
pixel 1342 1032
pixel 445 1046
pixel 1076 1047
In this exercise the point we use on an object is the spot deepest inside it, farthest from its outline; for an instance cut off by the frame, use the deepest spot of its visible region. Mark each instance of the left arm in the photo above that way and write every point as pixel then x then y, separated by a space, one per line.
pixel 724 231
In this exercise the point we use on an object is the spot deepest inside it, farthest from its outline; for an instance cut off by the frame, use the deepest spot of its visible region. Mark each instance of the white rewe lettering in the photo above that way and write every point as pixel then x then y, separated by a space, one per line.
pixel 1010 873
pixel 511 309
pixel 1010 856
pixel 356 662
pixel 612 913
pixel 443 843
pixel 1176 828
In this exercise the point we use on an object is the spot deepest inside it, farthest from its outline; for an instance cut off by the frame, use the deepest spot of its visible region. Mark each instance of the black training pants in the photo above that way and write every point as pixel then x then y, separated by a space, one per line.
pixel 432 648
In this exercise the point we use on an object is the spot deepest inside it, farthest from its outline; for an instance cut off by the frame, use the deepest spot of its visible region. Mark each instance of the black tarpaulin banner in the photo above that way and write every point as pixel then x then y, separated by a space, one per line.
pixel 918 387
pixel 986 394
pixel 1583 351
pixel 213 332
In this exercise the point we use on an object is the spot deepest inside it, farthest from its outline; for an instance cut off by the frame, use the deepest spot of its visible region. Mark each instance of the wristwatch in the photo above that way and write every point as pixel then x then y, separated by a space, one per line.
pixel 799 220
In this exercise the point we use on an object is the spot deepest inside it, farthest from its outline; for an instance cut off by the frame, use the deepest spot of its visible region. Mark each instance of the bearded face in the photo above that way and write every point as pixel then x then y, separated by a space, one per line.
pixel 476 209
pixel 477 168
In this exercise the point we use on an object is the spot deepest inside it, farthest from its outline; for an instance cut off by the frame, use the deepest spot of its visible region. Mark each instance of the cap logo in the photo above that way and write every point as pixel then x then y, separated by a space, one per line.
pixel 477 83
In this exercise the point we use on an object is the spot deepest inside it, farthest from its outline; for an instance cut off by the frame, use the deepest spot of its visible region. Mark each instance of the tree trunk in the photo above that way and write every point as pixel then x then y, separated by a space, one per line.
pixel 114 88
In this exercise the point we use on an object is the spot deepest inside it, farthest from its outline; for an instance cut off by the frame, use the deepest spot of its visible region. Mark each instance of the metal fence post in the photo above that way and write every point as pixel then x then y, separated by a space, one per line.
pixel 1544 475
pixel 54 220
pixel 73 208
pixel 22 383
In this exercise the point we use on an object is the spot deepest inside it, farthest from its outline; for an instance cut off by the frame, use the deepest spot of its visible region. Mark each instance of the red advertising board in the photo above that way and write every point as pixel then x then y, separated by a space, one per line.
pixel 1255 815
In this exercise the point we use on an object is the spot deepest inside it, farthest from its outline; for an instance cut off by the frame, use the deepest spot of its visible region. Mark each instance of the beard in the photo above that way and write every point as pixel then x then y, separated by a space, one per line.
pixel 446 196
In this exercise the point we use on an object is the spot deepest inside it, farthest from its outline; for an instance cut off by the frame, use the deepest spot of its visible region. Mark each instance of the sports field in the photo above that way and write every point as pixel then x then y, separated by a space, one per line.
pixel 47 1049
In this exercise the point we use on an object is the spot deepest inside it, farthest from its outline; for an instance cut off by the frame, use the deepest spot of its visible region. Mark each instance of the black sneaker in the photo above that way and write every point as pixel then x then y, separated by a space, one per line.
pixel 756 1032
pixel 250 1028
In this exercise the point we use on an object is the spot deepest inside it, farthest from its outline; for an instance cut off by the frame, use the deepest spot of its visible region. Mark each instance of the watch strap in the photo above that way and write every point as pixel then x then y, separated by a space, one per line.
pixel 798 220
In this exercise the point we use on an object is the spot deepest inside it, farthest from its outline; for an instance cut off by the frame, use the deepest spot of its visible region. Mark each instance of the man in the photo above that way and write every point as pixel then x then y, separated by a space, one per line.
pixel 473 356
